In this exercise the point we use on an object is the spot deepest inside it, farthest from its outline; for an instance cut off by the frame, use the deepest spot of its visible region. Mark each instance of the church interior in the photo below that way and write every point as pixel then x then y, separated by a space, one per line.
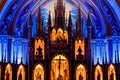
pixel 59 40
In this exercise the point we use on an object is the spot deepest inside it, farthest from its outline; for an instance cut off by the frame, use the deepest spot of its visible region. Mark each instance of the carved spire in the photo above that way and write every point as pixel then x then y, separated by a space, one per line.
pixel 13 56
pixel 70 20
pixel 88 21
pixel 30 27
pixel 89 26
pixel 49 24
pixel 98 62
pixel 49 20
pixel 39 33
pixel 79 14
pixel 60 14
pixel 5 56
pixel 79 25
pixel 60 4
pixel 105 57
pixel 30 19
pixel 69 28
pixel 103 61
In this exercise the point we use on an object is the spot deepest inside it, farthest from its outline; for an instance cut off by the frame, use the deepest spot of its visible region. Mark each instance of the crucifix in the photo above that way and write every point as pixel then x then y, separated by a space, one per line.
pixel 59 63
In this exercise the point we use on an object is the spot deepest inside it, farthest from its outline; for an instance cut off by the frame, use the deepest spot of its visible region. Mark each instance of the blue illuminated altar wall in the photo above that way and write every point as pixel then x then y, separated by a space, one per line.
pixel 114 48
pixel 13 49
pixel 4 48
pixel 99 51
pixel 19 50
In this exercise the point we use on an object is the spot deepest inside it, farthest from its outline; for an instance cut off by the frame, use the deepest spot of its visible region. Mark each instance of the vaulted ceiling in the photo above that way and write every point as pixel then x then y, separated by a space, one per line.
pixel 15 13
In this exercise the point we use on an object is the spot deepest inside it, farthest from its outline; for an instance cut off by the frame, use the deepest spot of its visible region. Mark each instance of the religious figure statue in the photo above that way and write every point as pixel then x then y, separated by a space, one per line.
pixel 79 50
pixel 7 75
pixel 80 55
pixel 112 76
pixel 61 37
pixel 65 74
pixel 20 75
pixel 38 75
pixel 53 74
pixel 98 76
pixel 39 49
pixel 60 77
pixel 80 77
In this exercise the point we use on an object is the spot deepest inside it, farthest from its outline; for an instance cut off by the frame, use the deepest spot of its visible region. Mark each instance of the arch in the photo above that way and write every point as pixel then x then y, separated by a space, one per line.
pixel 111 73
pixel 39 44
pixel 32 9
pixel 8 72
pixel 59 68
pixel 79 44
pixel 80 72
pixel 38 73
pixel 113 5
pixel 21 73
pixel 98 73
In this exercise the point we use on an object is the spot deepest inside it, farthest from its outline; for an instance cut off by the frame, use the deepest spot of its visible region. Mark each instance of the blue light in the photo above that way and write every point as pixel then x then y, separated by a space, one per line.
pixel 20 50
pixel 0 51
pixel 34 27
pixel 4 47
pixel 115 7
pixel 5 8
pixel 99 50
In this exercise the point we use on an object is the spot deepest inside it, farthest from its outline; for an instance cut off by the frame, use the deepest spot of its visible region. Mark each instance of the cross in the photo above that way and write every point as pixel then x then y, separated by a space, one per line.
pixel 59 62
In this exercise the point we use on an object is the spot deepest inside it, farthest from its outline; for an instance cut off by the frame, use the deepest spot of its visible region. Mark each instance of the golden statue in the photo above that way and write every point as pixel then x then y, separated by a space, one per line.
pixel 112 76
pixel 98 76
pixel 65 74
pixel 80 76
pixel 60 77
pixel 38 75
pixel 20 75
pixel 7 74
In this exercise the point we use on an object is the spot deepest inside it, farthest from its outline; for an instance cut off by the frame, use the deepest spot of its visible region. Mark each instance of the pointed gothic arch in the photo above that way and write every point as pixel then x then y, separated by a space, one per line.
pixel 98 73
pixel 111 72
pixel 80 72
pixel 21 73
pixel 39 49
pixel 38 73
pixel 8 72
pixel 79 44
pixel 59 68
